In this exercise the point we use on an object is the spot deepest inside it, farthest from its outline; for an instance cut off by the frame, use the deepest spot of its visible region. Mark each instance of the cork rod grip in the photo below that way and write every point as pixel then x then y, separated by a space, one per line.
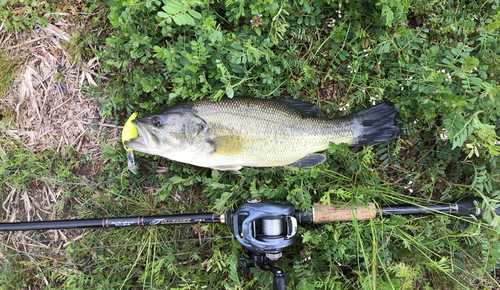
pixel 342 212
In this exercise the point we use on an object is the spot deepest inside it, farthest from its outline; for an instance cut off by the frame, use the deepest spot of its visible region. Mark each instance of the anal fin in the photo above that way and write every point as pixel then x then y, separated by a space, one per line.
pixel 235 169
pixel 309 161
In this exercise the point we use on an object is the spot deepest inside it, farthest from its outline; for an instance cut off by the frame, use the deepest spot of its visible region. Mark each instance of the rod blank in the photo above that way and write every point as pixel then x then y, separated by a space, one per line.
pixel 112 222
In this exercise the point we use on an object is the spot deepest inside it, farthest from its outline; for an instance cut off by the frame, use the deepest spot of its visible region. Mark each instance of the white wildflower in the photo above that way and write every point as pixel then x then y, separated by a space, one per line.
pixel 343 106
pixel 408 186
pixel 443 135
pixel 332 23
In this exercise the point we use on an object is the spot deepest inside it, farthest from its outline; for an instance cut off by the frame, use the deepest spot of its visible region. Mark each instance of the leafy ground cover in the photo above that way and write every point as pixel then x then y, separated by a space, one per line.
pixel 436 60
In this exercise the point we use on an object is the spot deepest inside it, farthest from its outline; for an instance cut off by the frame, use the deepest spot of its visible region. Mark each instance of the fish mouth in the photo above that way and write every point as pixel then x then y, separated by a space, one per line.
pixel 146 139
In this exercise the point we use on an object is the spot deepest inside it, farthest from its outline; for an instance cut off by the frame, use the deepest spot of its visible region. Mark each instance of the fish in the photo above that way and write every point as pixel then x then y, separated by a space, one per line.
pixel 238 132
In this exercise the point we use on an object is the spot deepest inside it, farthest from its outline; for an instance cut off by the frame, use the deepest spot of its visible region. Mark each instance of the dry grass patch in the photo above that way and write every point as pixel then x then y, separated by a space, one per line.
pixel 51 109
pixel 44 105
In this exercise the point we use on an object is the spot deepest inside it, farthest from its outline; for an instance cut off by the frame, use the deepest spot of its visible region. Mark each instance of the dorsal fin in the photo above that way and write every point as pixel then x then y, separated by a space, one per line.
pixel 305 109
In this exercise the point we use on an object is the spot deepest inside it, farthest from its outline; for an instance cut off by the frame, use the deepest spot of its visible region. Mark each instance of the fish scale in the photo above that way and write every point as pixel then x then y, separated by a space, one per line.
pixel 275 135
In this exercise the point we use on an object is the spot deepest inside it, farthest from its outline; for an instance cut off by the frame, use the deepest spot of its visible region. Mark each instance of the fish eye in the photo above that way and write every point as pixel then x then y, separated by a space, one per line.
pixel 156 121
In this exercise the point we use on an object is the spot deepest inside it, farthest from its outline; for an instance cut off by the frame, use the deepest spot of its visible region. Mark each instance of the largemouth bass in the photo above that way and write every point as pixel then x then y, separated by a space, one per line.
pixel 242 131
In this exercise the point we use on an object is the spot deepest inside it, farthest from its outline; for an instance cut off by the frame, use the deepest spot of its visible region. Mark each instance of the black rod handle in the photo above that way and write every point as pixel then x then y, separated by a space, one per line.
pixel 466 207
pixel 413 209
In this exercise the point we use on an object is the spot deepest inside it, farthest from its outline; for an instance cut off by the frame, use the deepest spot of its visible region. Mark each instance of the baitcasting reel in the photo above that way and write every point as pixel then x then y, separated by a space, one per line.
pixel 265 228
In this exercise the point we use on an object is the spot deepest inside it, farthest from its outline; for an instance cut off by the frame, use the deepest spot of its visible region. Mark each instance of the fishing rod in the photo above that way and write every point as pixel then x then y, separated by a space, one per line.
pixel 264 227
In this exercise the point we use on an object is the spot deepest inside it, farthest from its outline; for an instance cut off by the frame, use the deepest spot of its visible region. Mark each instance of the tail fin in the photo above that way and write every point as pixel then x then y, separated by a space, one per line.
pixel 376 124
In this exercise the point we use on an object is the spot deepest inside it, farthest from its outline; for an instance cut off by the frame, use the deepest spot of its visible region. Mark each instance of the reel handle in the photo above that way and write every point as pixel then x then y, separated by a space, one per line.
pixel 322 213
pixel 279 282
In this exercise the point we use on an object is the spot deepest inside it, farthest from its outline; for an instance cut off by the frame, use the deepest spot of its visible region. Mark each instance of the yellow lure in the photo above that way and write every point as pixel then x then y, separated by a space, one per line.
pixel 129 132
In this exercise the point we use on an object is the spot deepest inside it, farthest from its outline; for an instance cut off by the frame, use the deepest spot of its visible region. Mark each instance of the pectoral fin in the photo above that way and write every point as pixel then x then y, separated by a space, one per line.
pixel 309 161
pixel 227 145
pixel 235 169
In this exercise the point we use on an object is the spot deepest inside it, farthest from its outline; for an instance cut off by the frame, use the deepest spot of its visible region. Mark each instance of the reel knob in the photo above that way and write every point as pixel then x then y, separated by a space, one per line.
pixel 279 282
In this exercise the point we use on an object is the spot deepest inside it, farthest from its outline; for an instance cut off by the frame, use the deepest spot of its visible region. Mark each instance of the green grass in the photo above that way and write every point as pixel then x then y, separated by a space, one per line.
pixel 437 61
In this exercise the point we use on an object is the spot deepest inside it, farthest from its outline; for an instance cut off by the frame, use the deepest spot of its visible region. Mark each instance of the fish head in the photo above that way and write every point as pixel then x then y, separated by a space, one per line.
pixel 168 133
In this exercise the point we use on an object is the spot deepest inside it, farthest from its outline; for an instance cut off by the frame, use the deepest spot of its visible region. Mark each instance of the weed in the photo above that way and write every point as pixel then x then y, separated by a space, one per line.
pixel 21 15
pixel 401 51
pixel 8 71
